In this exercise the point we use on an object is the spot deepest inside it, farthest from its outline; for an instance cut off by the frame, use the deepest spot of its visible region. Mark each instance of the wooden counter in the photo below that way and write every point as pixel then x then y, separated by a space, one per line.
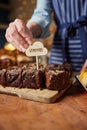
pixel 68 113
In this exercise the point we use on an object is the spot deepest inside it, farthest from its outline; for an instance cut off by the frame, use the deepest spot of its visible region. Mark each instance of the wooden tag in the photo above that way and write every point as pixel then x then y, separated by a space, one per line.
pixel 36 49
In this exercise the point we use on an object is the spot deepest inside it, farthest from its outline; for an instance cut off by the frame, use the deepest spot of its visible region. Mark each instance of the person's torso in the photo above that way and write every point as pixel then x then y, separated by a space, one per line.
pixel 68 11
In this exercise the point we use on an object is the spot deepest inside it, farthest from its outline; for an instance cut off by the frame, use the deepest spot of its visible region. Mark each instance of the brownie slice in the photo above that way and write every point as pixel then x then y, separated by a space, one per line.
pixel 57 78
pixel 32 78
pixel 13 76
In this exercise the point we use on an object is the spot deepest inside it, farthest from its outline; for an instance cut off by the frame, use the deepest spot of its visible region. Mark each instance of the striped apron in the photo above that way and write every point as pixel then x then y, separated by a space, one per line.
pixel 70 41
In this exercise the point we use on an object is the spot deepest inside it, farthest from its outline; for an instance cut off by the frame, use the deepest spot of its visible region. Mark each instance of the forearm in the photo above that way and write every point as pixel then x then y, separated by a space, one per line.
pixel 35 29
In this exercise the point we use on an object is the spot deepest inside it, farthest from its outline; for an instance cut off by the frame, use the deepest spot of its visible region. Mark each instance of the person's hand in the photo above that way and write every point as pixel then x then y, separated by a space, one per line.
pixel 84 67
pixel 19 35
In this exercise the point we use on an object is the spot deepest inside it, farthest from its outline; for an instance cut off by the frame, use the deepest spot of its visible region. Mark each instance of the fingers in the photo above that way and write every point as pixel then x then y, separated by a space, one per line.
pixel 24 32
pixel 18 34
pixel 16 44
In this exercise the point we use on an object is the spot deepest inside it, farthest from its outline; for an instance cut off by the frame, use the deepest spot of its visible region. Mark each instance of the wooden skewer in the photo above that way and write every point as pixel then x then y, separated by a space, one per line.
pixel 37 63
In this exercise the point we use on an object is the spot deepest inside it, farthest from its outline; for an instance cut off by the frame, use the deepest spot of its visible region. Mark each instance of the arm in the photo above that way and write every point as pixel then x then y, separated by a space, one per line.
pixel 41 18
pixel 20 34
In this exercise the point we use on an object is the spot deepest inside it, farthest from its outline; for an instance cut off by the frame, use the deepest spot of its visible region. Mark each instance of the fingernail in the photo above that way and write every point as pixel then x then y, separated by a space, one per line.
pixel 30 43
pixel 29 40
pixel 23 49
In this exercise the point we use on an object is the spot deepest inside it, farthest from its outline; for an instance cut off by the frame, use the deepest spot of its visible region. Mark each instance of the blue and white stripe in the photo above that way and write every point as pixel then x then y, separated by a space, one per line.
pixel 68 11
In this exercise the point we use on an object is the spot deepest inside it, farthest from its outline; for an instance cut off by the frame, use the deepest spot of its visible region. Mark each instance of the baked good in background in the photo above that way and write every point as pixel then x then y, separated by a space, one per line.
pixel 9 56
pixel 57 77
pixel 21 58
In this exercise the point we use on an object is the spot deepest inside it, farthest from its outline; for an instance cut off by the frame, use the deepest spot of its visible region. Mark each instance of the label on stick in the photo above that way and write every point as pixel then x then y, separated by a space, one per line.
pixel 36 49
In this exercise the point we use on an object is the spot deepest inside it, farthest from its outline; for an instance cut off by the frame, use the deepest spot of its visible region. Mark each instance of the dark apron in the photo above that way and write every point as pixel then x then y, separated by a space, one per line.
pixel 69 30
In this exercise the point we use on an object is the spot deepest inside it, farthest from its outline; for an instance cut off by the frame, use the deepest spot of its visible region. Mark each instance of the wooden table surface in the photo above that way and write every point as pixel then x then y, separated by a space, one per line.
pixel 68 113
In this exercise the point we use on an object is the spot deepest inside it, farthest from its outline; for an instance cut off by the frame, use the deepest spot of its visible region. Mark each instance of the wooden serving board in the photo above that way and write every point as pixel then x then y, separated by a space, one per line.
pixel 45 95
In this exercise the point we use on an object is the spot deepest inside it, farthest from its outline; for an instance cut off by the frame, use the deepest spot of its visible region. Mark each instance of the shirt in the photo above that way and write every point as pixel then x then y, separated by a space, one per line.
pixel 67 11
pixel 42 16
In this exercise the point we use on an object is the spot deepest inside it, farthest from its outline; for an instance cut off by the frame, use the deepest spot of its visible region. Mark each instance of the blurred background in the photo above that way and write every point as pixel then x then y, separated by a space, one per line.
pixel 23 9
pixel 5 10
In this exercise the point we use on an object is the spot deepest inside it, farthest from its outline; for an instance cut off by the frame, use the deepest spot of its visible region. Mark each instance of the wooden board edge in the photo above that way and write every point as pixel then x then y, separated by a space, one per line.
pixel 44 96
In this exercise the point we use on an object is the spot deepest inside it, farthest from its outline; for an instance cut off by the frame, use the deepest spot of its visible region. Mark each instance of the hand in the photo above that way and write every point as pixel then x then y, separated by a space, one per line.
pixel 84 67
pixel 19 35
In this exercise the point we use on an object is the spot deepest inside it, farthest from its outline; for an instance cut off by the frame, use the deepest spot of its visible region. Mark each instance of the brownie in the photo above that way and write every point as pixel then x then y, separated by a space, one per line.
pixel 13 76
pixel 65 67
pixel 57 78
pixel 32 78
